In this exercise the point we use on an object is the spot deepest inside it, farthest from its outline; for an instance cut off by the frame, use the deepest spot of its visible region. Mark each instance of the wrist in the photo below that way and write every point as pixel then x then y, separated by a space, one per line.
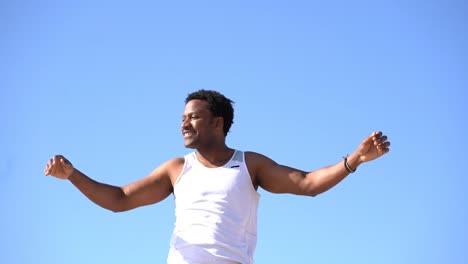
pixel 352 162
pixel 72 175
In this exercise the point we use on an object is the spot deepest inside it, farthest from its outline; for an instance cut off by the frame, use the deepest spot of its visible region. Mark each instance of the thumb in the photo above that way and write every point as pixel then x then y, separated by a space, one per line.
pixel 369 138
pixel 365 144
pixel 65 162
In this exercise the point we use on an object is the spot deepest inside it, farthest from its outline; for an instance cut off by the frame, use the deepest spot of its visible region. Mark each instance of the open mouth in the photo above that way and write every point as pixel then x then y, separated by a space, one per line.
pixel 187 134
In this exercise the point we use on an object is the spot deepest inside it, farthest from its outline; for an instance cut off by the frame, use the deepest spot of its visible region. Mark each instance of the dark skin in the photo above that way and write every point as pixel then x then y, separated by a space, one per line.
pixel 204 132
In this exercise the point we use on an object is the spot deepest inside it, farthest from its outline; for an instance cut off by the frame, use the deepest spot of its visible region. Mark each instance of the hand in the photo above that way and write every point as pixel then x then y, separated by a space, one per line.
pixel 59 167
pixel 373 147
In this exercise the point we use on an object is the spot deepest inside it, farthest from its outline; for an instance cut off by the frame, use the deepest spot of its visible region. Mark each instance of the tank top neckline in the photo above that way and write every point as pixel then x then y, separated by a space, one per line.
pixel 194 155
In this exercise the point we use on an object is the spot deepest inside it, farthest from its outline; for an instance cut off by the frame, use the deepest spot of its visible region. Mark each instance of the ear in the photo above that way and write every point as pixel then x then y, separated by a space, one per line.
pixel 219 122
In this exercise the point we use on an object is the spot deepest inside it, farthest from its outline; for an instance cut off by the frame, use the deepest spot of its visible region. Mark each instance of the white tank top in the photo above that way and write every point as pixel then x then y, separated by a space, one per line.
pixel 216 213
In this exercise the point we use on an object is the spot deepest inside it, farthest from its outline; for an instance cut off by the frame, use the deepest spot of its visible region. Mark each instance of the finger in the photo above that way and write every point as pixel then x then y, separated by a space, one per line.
pixel 380 140
pixel 52 170
pixel 65 163
pixel 56 159
pixel 372 137
pixel 55 165
pixel 385 144
pixel 369 138
pixel 376 135
pixel 47 167
pixel 384 147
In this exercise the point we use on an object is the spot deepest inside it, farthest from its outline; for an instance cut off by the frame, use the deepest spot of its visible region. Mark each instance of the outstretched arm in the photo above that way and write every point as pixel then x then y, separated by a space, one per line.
pixel 151 189
pixel 277 178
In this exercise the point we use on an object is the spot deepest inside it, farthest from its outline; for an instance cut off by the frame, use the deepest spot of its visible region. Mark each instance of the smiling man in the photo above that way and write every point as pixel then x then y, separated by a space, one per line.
pixel 215 186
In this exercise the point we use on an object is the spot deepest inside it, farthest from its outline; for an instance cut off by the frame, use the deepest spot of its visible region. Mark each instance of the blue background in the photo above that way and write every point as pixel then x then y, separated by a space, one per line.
pixel 104 84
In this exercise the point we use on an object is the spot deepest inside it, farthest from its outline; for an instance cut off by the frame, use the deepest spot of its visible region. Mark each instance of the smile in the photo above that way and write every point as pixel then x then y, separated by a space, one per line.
pixel 188 133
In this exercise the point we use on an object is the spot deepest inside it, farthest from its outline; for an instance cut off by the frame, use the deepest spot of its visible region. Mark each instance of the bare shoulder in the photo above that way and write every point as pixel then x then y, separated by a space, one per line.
pixel 254 159
pixel 168 170
pixel 174 163
pixel 173 167
pixel 256 164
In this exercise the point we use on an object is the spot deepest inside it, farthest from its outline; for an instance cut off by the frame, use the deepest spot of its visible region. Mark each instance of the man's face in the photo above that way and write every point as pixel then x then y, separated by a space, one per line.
pixel 197 124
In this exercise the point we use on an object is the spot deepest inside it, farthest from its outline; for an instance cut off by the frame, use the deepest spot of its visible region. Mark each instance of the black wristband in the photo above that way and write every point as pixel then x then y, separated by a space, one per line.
pixel 346 165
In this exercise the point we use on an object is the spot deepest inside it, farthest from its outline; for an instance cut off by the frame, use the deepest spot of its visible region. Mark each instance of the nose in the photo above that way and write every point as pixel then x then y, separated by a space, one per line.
pixel 185 124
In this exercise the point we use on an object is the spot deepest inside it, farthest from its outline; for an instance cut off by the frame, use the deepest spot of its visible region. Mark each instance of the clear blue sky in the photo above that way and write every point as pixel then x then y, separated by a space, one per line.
pixel 104 84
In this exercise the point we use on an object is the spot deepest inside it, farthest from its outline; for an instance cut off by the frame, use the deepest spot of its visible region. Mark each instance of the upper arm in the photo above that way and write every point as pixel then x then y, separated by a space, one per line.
pixel 153 188
pixel 276 178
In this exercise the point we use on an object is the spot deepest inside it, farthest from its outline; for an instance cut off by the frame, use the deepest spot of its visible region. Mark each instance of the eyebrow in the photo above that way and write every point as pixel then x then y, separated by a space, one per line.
pixel 191 113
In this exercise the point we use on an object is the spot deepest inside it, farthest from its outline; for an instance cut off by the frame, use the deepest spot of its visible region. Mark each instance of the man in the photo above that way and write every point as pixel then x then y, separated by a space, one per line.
pixel 215 187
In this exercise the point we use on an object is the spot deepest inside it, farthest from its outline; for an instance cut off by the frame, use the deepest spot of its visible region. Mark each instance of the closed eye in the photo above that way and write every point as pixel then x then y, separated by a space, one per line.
pixel 190 117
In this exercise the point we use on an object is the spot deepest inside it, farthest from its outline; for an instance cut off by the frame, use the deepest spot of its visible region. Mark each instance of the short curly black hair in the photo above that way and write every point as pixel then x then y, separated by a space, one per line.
pixel 218 104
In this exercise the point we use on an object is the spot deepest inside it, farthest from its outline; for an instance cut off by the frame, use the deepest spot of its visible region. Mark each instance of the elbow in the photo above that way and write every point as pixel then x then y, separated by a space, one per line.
pixel 116 210
pixel 313 188
pixel 307 191
pixel 309 188
pixel 119 208
pixel 120 203
pixel 312 193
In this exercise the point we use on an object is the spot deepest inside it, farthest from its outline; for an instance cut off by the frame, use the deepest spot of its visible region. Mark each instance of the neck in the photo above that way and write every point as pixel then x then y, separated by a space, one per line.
pixel 214 156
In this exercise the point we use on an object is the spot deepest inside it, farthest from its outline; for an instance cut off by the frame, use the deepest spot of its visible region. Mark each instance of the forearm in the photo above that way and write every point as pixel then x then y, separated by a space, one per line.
pixel 324 179
pixel 107 196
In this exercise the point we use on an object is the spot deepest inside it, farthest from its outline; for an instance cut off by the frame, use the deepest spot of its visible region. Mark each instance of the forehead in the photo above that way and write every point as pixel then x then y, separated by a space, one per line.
pixel 196 106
